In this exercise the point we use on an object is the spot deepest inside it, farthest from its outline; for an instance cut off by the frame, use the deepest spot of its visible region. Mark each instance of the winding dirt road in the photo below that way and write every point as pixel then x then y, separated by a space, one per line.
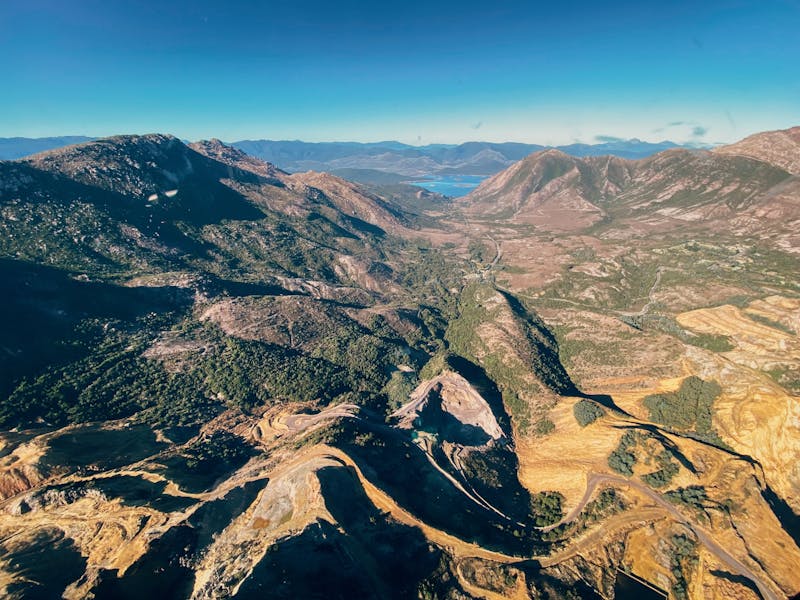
pixel 301 421
pixel 596 479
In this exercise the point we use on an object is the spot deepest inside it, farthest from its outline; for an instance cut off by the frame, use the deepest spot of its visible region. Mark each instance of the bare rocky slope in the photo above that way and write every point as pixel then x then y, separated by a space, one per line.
pixel 779 148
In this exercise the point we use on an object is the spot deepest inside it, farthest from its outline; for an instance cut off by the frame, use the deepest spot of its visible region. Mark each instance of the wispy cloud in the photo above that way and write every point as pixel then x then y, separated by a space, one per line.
pixel 477 125
pixel 607 139
pixel 691 130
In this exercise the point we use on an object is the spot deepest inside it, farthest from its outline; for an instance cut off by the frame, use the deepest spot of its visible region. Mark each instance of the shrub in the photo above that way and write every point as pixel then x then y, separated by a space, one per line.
pixel 546 508
pixel 683 560
pixel 622 459
pixel 663 476
pixel 587 412
pixel 688 408
pixel 544 426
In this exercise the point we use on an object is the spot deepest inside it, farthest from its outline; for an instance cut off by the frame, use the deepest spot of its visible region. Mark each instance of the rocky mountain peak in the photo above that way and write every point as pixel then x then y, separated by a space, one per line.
pixel 779 148
pixel 234 157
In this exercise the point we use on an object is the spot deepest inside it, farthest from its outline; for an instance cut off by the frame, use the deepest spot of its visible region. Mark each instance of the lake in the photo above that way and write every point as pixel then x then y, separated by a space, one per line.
pixel 451 185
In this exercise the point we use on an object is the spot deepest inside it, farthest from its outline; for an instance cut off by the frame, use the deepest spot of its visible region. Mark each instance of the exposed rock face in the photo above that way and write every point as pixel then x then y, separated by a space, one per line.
pixel 352 199
pixel 291 501
pixel 450 393
pixel 236 158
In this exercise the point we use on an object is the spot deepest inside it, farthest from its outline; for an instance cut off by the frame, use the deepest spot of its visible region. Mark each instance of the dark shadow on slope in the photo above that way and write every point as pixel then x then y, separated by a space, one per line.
pixel 100 448
pixel 212 517
pixel 395 464
pixel 40 308
pixel 546 585
pixel 164 571
pixel 314 564
pixel 131 490
pixel 789 520
pixel 493 474
pixel 628 588
pixel 201 199
pixel 740 579
pixel 606 401
pixel 217 286
pixel 400 555
pixel 549 368
pixel 492 471
pixel 134 490
pixel 46 567
pixel 363 227
pixel 433 418
pixel 322 224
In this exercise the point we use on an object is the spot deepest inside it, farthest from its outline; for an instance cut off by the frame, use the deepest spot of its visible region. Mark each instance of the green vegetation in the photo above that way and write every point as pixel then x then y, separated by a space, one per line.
pixel 688 408
pixel 607 502
pixel 693 497
pixel 434 367
pixel 518 409
pixel 114 381
pixel 683 560
pixel 544 426
pixel 770 323
pixel 247 374
pixel 429 276
pixel 789 379
pixel 663 476
pixel 479 252
pixel 587 412
pixel 219 447
pixel 119 324
pixel 546 508
pixel 626 288
pixel 494 329
pixel 709 341
pixel 622 458
pixel 399 388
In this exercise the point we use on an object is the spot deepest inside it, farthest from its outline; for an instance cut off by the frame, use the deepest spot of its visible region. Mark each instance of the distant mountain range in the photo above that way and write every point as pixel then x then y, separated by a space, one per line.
pixel 367 161
pixel 470 158
pixel 18 147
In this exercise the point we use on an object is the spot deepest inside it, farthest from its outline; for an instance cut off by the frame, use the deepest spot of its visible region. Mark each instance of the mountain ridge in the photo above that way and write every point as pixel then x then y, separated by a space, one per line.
pixel 552 189
pixel 225 378
pixel 780 148
pixel 468 158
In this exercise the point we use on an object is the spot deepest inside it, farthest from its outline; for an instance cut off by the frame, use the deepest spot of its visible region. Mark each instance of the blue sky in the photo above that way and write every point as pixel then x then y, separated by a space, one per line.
pixel 418 72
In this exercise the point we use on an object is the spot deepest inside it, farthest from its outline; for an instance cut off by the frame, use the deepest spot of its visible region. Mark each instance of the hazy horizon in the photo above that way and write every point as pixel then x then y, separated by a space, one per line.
pixel 603 140
pixel 416 73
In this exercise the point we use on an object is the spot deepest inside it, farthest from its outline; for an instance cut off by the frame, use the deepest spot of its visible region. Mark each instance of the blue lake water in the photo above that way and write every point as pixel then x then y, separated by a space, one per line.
pixel 451 185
